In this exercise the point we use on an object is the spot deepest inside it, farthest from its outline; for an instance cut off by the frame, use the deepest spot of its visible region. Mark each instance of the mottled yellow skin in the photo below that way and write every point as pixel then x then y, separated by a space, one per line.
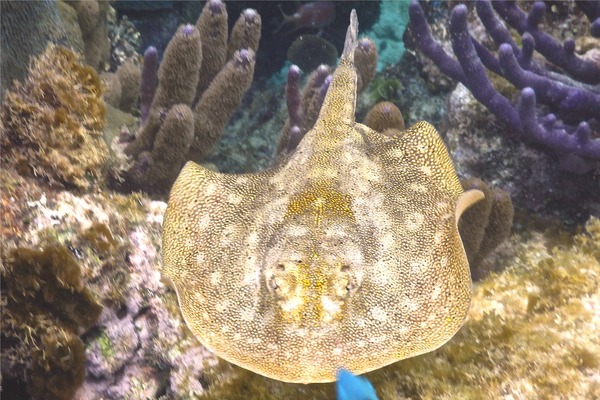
pixel 345 255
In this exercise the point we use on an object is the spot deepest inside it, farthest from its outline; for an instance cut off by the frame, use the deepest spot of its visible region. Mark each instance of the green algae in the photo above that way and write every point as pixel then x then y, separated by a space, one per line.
pixel 106 345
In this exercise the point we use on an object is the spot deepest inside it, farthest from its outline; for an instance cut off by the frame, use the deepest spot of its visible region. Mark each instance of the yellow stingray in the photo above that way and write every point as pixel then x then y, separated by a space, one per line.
pixel 345 255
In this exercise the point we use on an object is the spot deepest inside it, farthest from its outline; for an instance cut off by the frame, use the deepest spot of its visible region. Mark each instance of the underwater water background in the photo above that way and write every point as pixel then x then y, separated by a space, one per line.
pixel 91 143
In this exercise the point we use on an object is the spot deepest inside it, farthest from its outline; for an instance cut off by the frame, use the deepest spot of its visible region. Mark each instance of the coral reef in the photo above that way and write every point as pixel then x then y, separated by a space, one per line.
pixel 196 76
pixel 313 15
pixel 52 123
pixel 385 89
pixel 310 51
pixel 149 81
pixel 45 307
pixel 384 116
pixel 92 16
pixel 387 32
pixel 123 86
pixel 124 39
pixel 532 328
pixel 570 129
pixel 22 40
pixel 134 345
pixel 486 225
pixel 303 106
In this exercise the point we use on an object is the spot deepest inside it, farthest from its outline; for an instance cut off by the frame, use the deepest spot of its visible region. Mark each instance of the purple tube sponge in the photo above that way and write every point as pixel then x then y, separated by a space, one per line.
pixel 573 97
pixel 293 96
pixel 563 55
pixel 475 77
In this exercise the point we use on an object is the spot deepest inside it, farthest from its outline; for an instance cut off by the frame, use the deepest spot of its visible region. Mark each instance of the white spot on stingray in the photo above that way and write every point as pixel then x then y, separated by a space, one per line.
pixel 426 170
pixel 414 221
pixel 401 329
pixel 252 239
pixel 327 173
pixel 222 306
pixel 379 274
pixel 242 180
pixel 210 189
pixel 442 205
pixel 377 339
pixel 354 255
pixel 417 187
pixel 228 235
pixel 397 153
pixel 335 232
pixel 378 314
pixel 337 351
pixel 254 340
pixel 237 336
pixel 408 305
pixel 234 199
pixel 251 274
pixel 291 304
pixel 246 314
pixel 215 278
pixel 387 241
pixel 204 222
pixel 330 307
pixel 419 266
pixel 438 238
pixel 435 293
pixel 199 298
pixel 444 262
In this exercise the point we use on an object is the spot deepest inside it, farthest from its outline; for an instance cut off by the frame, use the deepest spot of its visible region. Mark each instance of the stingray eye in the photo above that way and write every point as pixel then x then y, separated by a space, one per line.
pixel 347 281
pixel 275 281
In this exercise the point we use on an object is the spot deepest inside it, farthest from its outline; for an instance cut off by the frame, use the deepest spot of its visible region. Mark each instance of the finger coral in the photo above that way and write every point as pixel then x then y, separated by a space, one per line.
pixel 92 18
pixel 52 123
pixel 201 71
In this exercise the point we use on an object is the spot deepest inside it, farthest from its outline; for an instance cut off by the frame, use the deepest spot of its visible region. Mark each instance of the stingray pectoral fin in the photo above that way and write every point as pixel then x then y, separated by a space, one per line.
pixel 466 200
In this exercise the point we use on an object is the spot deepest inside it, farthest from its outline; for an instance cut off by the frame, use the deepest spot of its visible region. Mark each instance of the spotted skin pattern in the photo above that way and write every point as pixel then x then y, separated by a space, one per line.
pixel 346 255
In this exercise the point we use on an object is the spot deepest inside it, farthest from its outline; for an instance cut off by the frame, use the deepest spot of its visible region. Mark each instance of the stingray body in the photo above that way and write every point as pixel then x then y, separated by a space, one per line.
pixel 346 255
